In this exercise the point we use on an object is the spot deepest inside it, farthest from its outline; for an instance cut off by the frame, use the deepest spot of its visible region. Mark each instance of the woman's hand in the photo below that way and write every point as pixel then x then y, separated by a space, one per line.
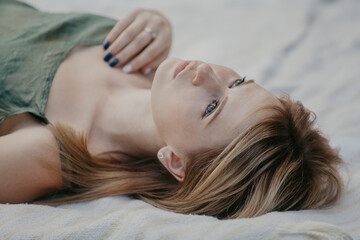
pixel 140 41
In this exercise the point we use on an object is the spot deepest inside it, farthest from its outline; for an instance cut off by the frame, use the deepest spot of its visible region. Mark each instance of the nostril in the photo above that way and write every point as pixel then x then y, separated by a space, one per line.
pixel 196 81
pixel 203 72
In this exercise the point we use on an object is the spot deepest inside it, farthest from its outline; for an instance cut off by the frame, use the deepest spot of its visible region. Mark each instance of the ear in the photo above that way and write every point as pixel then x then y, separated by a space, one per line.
pixel 174 164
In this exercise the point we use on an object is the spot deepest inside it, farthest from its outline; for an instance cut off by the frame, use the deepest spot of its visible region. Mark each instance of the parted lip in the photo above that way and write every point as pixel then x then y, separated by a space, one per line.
pixel 181 67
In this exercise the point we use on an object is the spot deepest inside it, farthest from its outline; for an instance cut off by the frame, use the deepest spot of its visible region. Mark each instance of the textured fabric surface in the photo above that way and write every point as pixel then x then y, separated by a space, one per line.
pixel 32 46
pixel 309 48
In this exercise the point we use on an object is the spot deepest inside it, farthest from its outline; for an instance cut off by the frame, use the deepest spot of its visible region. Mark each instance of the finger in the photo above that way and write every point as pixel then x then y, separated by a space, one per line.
pixel 119 28
pixel 133 48
pixel 153 65
pixel 147 55
pixel 125 37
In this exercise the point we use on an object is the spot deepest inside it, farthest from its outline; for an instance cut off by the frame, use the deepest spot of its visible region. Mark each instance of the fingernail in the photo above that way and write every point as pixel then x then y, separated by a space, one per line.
pixel 147 71
pixel 114 62
pixel 106 45
pixel 107 57
pixel 127 68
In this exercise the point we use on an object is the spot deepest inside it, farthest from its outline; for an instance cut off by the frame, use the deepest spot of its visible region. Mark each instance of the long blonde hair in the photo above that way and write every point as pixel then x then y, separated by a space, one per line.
pixel 279 163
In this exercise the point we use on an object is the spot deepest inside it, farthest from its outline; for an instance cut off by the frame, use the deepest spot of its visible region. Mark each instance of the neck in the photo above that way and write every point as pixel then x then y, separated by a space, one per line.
pixel 124 123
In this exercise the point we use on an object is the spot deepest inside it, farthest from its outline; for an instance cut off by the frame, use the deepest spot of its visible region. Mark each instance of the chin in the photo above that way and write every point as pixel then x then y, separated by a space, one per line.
pixel 165 71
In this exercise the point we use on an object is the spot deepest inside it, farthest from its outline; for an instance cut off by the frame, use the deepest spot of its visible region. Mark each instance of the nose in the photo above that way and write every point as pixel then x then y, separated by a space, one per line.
pixel 205 76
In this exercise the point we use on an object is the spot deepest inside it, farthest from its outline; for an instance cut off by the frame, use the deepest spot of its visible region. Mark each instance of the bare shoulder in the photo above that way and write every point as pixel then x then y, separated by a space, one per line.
pixel 28 155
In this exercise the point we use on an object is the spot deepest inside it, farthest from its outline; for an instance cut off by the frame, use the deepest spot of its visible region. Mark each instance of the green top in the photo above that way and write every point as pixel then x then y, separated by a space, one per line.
pixel 32 46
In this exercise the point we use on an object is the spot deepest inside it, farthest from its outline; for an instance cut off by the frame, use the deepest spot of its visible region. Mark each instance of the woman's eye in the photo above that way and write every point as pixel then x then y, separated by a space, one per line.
pixel 212 106
pixel 209 109
pixel 238 82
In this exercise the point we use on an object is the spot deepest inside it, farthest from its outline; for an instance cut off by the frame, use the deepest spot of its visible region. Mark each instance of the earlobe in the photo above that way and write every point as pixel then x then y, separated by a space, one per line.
pixel 174 164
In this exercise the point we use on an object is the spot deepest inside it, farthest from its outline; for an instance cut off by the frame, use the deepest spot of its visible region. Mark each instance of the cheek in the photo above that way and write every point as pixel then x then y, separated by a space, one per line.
pixel 179 117
pixel 178 121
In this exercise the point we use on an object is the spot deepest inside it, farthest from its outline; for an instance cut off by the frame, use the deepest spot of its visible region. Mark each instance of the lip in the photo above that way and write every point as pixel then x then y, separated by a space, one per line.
pixel 181 67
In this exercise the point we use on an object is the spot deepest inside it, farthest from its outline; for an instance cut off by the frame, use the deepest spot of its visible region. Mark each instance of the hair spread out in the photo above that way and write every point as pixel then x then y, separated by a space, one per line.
pixel 282 162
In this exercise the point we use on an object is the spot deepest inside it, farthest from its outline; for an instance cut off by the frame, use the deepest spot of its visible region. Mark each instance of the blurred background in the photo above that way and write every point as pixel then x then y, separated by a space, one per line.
pixel 247 35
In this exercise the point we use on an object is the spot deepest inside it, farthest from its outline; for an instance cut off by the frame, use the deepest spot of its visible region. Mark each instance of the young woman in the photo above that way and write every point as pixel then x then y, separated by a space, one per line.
pixel 95 120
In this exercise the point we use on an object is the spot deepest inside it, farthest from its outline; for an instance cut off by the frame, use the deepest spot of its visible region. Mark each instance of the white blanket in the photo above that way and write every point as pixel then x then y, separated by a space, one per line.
pixel 310 49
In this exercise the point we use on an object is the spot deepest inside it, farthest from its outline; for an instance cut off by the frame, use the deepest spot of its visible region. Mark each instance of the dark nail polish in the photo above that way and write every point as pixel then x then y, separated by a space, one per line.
pixel 114 62
pixel 107 57
pixel 106 45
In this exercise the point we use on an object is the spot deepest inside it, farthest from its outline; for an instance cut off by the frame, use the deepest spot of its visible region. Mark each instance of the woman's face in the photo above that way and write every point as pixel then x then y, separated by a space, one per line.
pixel 198 106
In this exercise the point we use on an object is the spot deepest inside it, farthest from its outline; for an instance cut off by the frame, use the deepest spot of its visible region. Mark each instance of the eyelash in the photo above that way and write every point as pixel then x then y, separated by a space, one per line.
pixel 214 104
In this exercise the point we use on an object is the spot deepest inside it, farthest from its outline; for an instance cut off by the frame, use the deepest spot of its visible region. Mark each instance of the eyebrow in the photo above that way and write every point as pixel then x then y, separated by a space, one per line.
pixel 222 104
